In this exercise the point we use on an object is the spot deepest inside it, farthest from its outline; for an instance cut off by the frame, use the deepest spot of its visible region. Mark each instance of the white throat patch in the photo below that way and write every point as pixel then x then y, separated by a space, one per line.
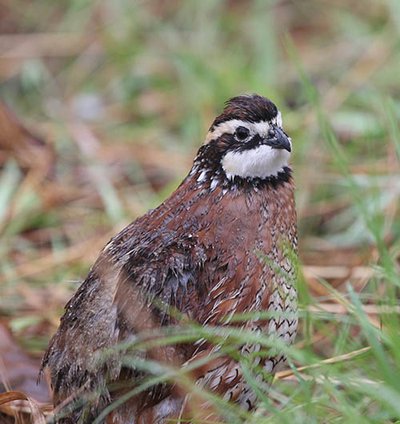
pixel 261 162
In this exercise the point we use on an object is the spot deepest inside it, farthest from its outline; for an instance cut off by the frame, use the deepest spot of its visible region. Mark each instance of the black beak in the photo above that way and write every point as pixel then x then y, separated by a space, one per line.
pixel 277 139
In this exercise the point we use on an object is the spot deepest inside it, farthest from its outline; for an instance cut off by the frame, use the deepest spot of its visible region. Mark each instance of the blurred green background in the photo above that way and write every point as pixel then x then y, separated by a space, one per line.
pixel 111 100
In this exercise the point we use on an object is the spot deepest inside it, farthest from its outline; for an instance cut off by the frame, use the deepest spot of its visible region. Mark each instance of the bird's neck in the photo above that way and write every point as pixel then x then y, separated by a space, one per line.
pixel 210 177
pixel 208 173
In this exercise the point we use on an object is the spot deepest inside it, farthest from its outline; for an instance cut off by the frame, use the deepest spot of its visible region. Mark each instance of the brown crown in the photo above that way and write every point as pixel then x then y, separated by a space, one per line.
pixel 250 108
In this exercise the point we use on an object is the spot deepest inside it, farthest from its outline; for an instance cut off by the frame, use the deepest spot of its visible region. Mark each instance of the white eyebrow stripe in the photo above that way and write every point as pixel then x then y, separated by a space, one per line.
pixel 229 127
pixel 278 119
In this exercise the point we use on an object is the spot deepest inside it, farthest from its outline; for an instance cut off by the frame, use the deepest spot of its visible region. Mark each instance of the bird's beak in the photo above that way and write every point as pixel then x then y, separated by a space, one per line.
pixel 277 139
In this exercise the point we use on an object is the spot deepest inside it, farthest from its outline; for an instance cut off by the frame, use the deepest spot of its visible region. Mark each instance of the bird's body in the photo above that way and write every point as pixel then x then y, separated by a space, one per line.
pixel 215 248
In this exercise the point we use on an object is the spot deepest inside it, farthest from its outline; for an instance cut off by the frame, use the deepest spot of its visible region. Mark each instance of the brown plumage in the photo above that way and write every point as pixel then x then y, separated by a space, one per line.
pixel 215 247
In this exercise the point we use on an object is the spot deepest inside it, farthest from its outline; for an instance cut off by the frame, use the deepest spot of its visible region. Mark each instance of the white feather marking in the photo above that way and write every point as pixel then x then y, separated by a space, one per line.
pixel 269 365
pixel 261 162
pixel 231 375
pixel 202 176
pixel 278 120
pixel 218 285
pixel 214 183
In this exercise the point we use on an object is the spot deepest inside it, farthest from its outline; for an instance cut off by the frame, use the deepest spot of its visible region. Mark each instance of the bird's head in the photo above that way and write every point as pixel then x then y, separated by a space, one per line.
pixel 245 142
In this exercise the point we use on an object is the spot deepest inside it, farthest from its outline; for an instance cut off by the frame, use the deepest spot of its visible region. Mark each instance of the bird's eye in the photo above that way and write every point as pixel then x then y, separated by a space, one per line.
pixel 241 133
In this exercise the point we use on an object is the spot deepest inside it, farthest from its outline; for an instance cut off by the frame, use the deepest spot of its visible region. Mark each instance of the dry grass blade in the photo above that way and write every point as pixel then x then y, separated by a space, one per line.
pixel 68 255
pixel 20 46
pixel 327 272
pixel 334 360
pixel 37 416
pixel 29 150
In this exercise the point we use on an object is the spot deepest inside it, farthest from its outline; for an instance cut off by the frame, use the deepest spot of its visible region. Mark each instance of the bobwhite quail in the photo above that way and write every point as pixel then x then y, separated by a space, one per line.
pixel 220 244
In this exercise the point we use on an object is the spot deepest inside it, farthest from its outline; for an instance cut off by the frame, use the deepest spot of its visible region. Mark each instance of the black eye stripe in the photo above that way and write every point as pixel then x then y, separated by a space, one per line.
pixel 241 133
pixel 254 142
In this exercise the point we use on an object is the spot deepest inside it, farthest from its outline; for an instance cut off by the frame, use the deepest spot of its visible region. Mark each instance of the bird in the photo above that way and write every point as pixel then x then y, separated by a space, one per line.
pixel 223 243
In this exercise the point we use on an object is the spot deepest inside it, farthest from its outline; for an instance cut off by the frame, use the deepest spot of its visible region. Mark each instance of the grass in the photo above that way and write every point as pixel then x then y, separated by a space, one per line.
pixel 124 92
